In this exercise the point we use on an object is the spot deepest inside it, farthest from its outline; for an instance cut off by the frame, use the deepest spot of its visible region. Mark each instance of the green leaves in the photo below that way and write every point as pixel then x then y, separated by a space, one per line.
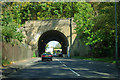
pixel 10 25
pixel 96 26
pixel 44 10
pixel 9 32
pixel 84 22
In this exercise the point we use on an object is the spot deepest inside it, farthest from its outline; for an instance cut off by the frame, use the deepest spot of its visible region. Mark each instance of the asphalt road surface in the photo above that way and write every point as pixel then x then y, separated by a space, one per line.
pixel 67 68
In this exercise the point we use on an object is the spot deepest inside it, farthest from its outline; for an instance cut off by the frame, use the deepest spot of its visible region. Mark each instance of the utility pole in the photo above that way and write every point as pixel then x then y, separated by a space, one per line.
pixel 70 28
pixel 116 40
pixel 70 31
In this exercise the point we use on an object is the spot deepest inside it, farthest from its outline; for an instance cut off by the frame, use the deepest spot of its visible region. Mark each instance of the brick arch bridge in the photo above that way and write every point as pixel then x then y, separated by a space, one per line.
pixel 39 33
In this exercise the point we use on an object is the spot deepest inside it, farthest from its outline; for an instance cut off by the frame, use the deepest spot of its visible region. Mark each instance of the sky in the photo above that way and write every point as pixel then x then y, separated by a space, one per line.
pixel 52 43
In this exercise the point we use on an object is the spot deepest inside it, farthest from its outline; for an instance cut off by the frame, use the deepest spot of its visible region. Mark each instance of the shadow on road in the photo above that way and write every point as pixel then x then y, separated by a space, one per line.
pixel 54 70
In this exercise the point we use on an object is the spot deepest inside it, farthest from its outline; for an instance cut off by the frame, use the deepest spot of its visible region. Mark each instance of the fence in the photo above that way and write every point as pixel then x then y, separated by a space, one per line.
pixel 16 52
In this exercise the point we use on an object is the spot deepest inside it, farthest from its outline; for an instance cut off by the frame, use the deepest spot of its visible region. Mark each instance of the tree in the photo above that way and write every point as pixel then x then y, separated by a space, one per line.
pixel 58 46
pixel 9 27
pixel 105 28
pixel 24 11
pixel 84 21
pixel 98 29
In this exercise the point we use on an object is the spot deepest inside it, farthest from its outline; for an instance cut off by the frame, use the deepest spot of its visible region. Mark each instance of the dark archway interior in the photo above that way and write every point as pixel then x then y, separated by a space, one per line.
pixel 52 35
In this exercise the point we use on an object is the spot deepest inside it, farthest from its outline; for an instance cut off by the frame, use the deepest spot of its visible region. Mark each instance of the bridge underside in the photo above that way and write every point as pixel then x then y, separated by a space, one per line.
pixel 52 35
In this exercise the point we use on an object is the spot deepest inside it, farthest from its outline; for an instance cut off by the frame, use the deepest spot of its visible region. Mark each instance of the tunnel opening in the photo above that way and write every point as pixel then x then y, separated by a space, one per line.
pixel 52 45
pixel 55 48
pixel 52 35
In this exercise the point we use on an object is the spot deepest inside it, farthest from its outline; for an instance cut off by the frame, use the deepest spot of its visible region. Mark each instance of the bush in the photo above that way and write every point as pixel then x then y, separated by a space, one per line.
pixel 5 62
pixel 34 55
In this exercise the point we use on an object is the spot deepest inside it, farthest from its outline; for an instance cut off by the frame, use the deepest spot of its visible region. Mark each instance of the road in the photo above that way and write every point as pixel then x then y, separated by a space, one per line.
pixel 67 68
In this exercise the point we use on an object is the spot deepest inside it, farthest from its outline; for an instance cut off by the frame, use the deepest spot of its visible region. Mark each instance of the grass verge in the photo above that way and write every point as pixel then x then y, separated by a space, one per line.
pixel 106 59
pixel 5 62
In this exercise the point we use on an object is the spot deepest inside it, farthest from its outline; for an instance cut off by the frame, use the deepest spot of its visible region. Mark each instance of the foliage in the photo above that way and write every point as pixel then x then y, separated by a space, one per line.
pixel 84 22
pixel 10 29
pixel 23 11
pixel 98 29
pixel 105 29
pixel 105 59
pixel 58 46
pixel 9 32
pixel 5 62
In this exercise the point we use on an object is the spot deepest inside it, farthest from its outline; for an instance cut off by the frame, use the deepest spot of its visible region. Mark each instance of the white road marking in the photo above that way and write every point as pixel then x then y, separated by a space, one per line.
pixel 64 65
pixel 60 62
pixel 69 68
pixel 74 72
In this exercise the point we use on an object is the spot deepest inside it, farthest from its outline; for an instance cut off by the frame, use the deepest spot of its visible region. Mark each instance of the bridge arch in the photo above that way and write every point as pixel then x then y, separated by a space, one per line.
pixel 52 35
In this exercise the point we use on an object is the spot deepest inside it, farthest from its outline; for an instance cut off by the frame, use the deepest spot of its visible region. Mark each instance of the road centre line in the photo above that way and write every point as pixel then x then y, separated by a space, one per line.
pixel 69 68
